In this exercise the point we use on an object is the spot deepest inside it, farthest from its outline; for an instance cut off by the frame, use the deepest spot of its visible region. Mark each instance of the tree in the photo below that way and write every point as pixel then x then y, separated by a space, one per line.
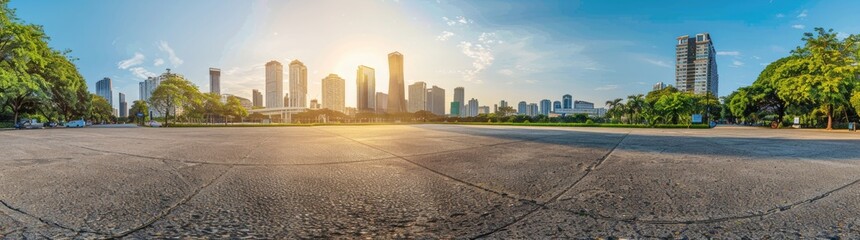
pixel 234 108
pixel 505 111
pixel 22 51
pixel 99 109
pixel 822 72
pixel 616 108
pixel 855 101
pixel 139 106
pixel 635 106
pixel 676 106
pixel 175 93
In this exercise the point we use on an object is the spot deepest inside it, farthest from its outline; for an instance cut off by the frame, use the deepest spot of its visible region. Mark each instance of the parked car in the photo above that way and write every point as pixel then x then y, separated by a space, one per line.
pixel 76 124
pixel 29 124
pixel 154 124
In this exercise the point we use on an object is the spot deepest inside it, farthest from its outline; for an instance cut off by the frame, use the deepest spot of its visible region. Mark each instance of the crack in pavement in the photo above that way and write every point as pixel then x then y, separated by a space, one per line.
pixel 542 205
pixel 47 222
pixel 181 202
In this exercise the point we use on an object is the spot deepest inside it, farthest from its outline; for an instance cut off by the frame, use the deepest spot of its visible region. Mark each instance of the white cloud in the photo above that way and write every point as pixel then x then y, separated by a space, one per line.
pixel 659 63
pixel 736 63
pixel 174 60
pixel 756 57
pixel 444 36
pixel 780 15
pixel 459 20
pixel 487 38
pixel 133 61
pixel 531 81
pixel 728 53
pixel 158 62
pixel 802 14
pixel 506 72
pixel 482 57
pixel 798 26
pixel 141 72
pixel 607 87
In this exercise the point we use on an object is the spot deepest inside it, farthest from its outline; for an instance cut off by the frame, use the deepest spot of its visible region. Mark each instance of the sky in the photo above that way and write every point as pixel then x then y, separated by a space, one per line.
pixel 497 50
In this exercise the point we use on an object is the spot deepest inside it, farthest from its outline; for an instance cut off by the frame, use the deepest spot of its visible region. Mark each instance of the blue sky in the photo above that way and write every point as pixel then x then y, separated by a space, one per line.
pixel 497 50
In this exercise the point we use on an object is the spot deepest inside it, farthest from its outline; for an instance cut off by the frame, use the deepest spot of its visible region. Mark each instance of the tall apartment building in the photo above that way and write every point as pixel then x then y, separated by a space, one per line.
pixel 435 100
pixel 381 102
pixel 658 86
pixel 123 106
pixel 545 106
pixel 532 110
pixel 556 105
pixel 521 107
pixel 566 101
pixel 215 80
pixel 417 97
pixel 333 91
pixel 298 84
pixel 365 83
pixel 473 108
pixel 274 84
pixel 396 98
pixel 696 65
pixel 104 88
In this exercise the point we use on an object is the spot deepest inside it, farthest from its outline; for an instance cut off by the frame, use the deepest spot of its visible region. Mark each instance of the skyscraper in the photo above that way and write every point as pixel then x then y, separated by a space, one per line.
pixel 696 65
pixel 521 107
pixel 545 106
pixel 503 103
pixel 556 105
pixel 417 97
pixel 257 98
pixel 658 86
pixel 484 110
pixel 436 100
pixel 365 83
pixel 532 110
pixel 567 101
pixel 274 84
pixel 123 106
pixel 396 98
pixel 215 80
pixel 455 109
pixel 381 102
pixel 286 100
pixel 460 98
pixel 298 84
pixel 473 108
pixel 333 91
pixel 104 88
pixel 148 86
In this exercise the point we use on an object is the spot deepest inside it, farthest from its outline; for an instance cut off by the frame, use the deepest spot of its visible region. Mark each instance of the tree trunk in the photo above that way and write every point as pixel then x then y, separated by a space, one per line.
pixel 829 118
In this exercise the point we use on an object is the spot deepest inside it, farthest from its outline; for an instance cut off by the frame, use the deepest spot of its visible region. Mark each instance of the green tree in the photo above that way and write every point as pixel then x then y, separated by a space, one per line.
pixel 676 106
pixel 173 94
pixel 139 106
pixel 635 106
pixel 616 108
pixel 823 72
pixel 100 109
pixel 22 51
pixel 505 111
pixel 233 108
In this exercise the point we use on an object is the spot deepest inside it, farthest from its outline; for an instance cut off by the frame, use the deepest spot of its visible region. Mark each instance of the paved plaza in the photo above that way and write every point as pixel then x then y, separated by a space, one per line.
pixel 429 181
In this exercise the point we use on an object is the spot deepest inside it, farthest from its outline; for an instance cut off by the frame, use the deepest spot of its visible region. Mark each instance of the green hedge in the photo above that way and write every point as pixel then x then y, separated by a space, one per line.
pixel 609 125
pixel 7 124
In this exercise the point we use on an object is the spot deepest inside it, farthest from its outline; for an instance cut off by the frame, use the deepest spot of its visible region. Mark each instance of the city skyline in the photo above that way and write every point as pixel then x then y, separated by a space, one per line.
pixel 626 57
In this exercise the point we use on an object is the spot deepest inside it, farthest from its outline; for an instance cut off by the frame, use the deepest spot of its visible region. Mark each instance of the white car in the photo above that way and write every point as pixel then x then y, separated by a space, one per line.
pixel 154 124
pixel 76 124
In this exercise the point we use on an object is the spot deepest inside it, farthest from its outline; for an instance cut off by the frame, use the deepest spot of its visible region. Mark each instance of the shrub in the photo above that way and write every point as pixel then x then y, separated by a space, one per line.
pixel 589 121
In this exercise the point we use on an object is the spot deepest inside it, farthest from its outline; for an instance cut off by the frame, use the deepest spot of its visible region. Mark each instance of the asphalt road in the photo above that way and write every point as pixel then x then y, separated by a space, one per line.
pixel 429 181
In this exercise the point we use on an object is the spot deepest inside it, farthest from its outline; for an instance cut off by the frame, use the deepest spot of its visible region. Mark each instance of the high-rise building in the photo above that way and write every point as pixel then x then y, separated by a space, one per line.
pixel 696 65
pixel 286 100
pixel 495 107
pixel 503 103
pixel 436 100
pixel 396 98
pixel 566 101
pixel 104 88
pixel 381 102
pixel 315 104
pixel 147 87
pixel 417 97
pixel 274 84
pixel 583 105
pixel 658 86
pixel 532 110
pixel 257 98
pixel 545 106
pixel 459 97
pixel 333 91
pixel 484 110
pixel 455 109
pixel 123 106
pixel 298 84
pixel 365 83
pixel 473 107
pixel 521 107
pixel 215 80
pixel 556 105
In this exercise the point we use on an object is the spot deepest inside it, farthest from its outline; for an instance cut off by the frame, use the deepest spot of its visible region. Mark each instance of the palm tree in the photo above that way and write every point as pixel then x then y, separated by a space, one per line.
pixel 635 104
pixel 616 108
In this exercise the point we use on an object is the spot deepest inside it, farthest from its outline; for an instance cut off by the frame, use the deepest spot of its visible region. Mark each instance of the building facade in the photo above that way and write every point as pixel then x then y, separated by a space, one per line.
pixel 522 108
pixel 257 98
pixel 104 88
pixel 460 99
pixel 215 80
pixel 365 82
pixel 123 106
pixel 274 84
pixel 545 106
pixel 484 110
pixel 417 97
pixel 455 109
pixel 532 110
pixel 298 84
pixel 333 91
pixel 396 96
pixel 582 105
pixel 473 107
pixel 658 86
pixel 436 100
pixel 567 101
pixel 381 102
pixel 556 105
pixel 696 65
pixel 286 100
